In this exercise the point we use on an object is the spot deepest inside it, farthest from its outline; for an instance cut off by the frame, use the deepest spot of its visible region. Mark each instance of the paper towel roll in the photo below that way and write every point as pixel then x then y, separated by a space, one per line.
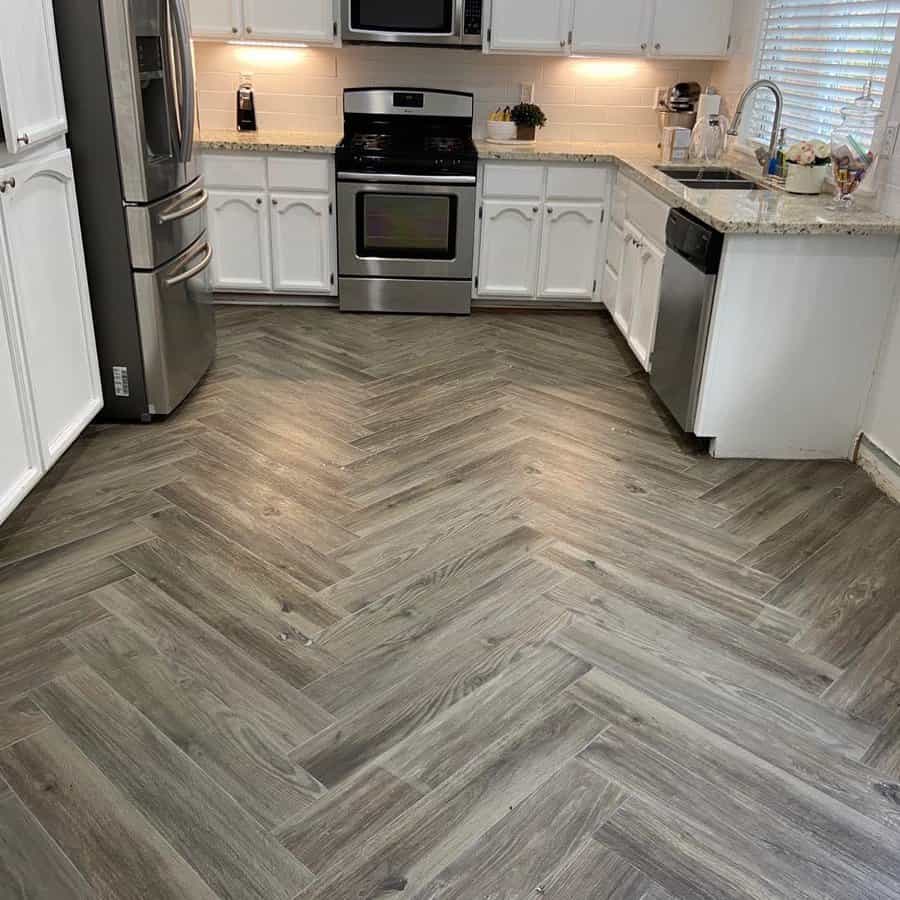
pixel 709 105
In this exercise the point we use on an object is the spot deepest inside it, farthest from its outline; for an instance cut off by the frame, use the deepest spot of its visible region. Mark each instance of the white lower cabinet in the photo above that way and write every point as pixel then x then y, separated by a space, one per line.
pixel 50 291
pixel 549 246
pixel 271 223
pixel 20 462
pixel 570 248
pixel 299 220
pixel 239 231
pixel 634 265
pixel 510 241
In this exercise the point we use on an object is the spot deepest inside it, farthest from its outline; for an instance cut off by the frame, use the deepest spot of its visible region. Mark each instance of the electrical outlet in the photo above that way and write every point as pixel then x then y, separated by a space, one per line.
pixel 889 141
pixel 526 92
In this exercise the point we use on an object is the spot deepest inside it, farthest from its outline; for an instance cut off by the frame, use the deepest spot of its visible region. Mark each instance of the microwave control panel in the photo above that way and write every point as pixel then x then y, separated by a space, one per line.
pixel 473 15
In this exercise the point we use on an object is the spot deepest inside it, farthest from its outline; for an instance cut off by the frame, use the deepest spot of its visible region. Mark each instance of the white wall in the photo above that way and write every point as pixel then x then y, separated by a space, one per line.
pixel 301 89
pixel 735 73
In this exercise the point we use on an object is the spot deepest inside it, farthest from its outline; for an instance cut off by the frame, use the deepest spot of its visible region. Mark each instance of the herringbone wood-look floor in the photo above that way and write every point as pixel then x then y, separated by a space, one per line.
pixel 442 608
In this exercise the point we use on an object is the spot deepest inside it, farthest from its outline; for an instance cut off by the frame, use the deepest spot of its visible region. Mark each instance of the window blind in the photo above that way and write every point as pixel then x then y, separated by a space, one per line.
pixel 821 54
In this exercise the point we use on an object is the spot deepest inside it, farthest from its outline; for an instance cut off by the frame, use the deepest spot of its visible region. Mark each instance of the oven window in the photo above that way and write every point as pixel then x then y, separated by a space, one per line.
pixel 405 16
pixel 406 226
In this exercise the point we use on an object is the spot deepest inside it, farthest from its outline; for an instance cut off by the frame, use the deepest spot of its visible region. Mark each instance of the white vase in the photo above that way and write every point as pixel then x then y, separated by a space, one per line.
pixel 805 179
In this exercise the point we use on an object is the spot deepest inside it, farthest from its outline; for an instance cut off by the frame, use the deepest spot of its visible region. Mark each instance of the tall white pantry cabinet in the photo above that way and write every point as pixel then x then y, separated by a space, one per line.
pixel 49 377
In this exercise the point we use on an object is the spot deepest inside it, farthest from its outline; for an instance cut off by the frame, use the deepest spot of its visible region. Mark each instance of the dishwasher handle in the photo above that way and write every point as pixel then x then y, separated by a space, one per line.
pixel 695 241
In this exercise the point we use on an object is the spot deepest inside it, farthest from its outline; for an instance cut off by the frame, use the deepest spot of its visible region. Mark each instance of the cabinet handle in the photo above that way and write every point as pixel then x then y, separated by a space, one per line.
pixel 8 184
pixel 23 138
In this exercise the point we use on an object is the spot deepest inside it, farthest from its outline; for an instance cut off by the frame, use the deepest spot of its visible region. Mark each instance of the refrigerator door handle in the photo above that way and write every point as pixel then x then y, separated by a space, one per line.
pixel 193 271
pixel 182 29
pixel 197 202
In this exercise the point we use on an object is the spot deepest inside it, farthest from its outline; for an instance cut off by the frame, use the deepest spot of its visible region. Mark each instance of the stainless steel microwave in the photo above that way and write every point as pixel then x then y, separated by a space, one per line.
pixel 422 22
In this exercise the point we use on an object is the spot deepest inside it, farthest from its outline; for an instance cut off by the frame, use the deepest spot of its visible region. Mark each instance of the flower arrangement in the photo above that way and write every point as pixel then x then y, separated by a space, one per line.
pixel 809 153
pixel 805 167
pixel 528 117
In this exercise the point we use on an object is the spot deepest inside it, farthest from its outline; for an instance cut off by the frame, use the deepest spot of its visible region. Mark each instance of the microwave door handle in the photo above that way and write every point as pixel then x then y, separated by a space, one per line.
pixel 186 105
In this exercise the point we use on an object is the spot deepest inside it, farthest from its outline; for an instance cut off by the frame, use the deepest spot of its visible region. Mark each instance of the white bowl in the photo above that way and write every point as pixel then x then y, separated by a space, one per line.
pixel 502 131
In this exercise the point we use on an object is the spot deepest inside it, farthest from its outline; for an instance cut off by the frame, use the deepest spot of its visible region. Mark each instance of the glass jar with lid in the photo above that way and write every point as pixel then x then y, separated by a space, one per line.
pixel 852 159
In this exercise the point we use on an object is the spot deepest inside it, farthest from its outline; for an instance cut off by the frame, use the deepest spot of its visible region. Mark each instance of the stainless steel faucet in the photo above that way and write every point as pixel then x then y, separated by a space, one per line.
pixel 776 124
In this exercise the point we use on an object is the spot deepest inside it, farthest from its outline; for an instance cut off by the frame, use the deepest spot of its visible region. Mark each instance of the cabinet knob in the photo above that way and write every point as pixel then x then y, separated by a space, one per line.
pixel 23 138
pixel 234 29
pixel 562 43
pixel 535 209
pixel 8 184
pixel 249 29
pixel 259 201
pixel 550 210
pixel 644 46
pixel 274 203
pixel 657 46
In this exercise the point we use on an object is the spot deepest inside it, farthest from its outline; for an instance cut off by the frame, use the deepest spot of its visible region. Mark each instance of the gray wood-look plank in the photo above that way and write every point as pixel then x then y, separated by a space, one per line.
pixel 437 607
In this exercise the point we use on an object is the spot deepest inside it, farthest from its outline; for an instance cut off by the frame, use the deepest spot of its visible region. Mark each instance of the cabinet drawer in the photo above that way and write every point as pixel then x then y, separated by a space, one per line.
pixel 615 248
pixel 576 183
pixel 514 181
pixel 300 173
pixel 648 214
pixel 233 170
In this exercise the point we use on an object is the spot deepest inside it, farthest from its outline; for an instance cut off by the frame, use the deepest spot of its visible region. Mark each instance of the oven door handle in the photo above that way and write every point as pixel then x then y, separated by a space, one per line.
pixel 391 178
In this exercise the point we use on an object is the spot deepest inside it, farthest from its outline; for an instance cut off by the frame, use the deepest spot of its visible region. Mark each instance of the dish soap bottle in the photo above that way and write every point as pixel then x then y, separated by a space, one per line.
pixel 778 165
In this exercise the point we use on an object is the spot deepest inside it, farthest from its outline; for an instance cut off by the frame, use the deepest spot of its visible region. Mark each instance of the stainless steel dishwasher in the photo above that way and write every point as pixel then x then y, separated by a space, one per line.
pixel 690 272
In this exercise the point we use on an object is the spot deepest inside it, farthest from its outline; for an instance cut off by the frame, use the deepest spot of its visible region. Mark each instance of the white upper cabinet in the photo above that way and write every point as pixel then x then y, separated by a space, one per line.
pixel 311 21
pixel 239 232
pixel 570 249
pixel 530 26
pixel 20 464
pixel 217 18
pixel 692 28
pixel 308 21
pixel 31 94
pixel 610 26
pixel 301 244
pixel 510 248
pixel 49 285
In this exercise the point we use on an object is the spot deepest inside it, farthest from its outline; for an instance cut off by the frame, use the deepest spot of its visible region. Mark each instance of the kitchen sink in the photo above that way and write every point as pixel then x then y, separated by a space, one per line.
pixel 709 179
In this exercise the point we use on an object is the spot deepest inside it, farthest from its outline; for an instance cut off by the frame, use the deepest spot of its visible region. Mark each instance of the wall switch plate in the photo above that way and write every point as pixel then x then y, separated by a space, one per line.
pixel 526 92
pixel 889 140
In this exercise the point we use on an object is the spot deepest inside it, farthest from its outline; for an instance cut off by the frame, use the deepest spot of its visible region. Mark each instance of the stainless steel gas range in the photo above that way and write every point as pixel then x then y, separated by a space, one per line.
pixel 406 173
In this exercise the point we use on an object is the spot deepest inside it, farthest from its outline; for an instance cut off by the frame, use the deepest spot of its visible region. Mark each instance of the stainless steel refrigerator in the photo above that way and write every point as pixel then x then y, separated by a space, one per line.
pixel 128 77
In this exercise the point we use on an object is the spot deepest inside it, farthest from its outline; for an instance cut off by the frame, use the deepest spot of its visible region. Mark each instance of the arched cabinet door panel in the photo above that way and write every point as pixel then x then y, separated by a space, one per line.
pixel 570 251
pixel 50 292
pixel 239 232
pixel 301 243
pixel 510 246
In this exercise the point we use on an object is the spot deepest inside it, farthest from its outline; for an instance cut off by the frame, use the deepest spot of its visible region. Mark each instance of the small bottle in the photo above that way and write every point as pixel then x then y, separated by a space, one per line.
pixel 778 166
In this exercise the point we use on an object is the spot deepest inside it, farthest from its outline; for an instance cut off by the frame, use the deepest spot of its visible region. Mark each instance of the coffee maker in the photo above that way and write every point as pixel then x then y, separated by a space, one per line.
pixel 246 108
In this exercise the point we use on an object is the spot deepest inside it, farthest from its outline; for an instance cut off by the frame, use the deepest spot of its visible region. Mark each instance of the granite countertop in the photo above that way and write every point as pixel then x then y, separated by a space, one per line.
pixel 731 212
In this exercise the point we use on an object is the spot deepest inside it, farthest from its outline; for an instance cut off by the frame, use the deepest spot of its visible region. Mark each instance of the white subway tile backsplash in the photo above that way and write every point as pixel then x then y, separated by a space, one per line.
pixel 301 88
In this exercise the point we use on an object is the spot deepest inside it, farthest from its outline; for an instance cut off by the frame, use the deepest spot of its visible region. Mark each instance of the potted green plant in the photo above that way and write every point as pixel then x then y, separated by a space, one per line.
pixel 528 117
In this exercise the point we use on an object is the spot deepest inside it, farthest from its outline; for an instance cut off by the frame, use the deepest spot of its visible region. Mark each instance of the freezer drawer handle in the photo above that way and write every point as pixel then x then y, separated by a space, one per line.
pixel 198 201
pixel 188 274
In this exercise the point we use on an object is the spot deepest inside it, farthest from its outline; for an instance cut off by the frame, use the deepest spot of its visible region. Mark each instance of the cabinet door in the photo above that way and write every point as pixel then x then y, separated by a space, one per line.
pixel 646 306
pixel 536 26
pixel 629 281
pixel 692 27
pixel 297 20
pixel 610 26
pixel 216 18
pixel 301 243
pixel 239 231
pixel 20 464
pixel 570 249
pixel 31 94
pixel 510 249
pixel 50 292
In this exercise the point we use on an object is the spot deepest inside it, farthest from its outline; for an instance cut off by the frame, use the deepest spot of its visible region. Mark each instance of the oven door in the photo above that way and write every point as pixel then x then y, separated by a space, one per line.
pixel 403 21
pixel 406 229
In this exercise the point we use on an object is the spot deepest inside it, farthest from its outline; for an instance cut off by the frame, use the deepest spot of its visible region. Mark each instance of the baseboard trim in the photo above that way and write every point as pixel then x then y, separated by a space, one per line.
pixel 877 462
